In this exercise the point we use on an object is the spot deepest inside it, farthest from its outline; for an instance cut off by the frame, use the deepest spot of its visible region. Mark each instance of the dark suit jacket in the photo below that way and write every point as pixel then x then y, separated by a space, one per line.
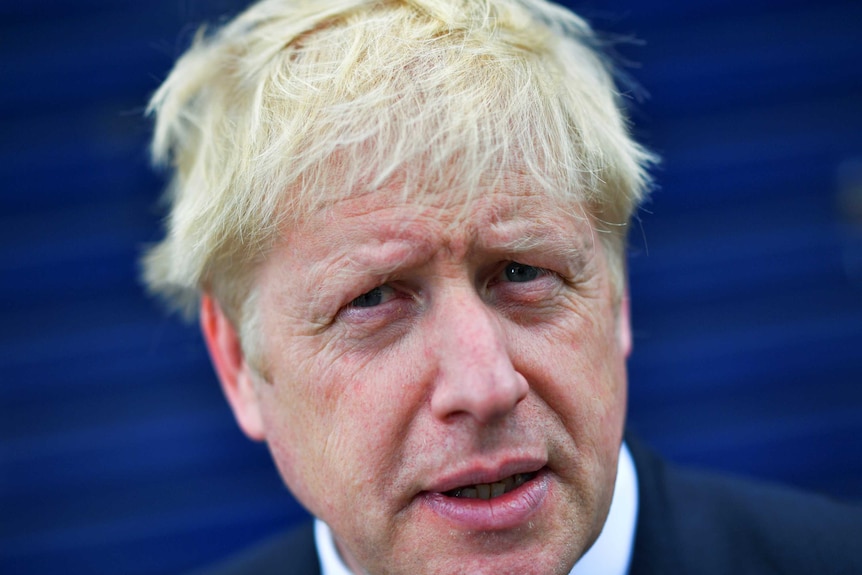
pixel 688 522
pixel 702 523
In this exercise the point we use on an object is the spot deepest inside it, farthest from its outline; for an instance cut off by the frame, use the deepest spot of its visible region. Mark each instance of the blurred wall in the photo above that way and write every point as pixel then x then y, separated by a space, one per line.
pixel 117 451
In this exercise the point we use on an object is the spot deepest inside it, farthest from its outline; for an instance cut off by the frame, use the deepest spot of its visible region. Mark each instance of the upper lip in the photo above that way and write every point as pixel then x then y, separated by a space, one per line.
pixel 484 472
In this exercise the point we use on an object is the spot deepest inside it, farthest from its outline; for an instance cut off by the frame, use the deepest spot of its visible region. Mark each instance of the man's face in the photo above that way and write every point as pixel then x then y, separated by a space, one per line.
pixel 445 383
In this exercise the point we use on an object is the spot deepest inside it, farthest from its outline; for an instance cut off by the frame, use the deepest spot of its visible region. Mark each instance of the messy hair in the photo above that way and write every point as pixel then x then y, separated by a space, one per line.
pixel 296 104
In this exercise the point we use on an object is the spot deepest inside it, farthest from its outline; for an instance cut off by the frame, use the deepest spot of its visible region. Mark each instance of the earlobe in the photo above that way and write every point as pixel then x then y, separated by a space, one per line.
pixel 233 371
pixel 624 328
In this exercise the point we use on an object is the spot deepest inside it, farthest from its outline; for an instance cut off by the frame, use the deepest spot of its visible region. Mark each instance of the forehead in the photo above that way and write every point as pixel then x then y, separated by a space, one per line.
pixel 511 205
pixel 462 185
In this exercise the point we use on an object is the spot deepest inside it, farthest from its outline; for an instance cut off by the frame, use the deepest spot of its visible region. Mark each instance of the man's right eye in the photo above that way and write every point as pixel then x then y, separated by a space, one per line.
pixel 375 297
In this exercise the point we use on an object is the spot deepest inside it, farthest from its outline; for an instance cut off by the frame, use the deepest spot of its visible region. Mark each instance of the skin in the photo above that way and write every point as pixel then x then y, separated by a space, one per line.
pixel 456 366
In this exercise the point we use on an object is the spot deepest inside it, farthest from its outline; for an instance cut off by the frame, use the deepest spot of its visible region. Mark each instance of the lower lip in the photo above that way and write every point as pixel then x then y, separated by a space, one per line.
pixel 511 510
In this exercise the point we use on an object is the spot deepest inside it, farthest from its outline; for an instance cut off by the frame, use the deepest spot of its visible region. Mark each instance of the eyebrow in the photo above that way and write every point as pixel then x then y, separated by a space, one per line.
pixel 387 257
pixel 518 237
pixel 376 260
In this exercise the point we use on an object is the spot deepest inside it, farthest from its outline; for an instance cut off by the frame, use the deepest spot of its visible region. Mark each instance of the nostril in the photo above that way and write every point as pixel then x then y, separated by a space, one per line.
pixel 485 398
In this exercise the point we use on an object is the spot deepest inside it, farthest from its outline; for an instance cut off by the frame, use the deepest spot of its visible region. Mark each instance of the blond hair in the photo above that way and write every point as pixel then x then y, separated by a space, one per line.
pixel 297 103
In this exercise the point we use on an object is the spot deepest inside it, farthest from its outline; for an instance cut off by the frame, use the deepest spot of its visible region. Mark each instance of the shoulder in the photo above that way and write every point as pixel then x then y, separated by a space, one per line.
pixel 692 521
pixel 290 553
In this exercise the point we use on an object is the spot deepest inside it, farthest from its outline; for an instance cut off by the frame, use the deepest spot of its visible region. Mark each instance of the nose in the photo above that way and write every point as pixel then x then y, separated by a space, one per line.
pixel 475 373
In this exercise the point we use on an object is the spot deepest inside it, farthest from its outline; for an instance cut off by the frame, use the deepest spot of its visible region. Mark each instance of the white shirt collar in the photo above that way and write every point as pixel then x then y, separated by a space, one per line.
pixel 610 554
pixel 612 551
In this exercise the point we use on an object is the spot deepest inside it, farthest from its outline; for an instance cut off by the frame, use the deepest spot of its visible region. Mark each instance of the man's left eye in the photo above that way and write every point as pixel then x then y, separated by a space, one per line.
pixel 517 272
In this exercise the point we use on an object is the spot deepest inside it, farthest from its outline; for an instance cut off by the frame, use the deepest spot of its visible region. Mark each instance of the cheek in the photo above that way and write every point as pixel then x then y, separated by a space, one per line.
pixel 335 423
pixel 576 366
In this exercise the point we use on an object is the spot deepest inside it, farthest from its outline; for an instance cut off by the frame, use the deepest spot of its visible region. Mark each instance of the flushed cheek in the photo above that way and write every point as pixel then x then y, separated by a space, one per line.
pixel 579 358
pixel 322 469
pixel 578 371
pixel 337 436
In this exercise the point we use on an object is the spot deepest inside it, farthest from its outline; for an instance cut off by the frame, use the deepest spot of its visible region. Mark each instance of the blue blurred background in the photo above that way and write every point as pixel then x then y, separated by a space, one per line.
pixel 117 451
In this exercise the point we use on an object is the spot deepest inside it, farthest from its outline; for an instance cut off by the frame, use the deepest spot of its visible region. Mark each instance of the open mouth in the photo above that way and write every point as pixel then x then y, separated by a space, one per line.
pixel 490 490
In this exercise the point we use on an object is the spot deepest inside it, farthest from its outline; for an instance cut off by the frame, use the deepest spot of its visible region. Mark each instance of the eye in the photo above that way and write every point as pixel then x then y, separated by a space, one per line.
pixel 373 298
pixel 519 273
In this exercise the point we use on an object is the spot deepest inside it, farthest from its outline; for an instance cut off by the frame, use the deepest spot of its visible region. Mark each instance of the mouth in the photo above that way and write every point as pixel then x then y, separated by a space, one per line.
pixel 486 491
pixel 498 503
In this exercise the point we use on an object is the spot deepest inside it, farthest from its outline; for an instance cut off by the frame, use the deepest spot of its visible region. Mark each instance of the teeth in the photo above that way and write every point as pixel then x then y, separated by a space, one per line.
pixel 497 489
pixel 487 491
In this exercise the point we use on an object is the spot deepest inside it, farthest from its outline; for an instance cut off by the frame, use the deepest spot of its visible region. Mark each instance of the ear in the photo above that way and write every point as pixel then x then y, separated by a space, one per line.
pixel 624 327
pixel 233 371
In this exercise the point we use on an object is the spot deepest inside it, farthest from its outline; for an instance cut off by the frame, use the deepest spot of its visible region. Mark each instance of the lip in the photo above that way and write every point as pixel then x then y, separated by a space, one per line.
pixel 513 509
pixel 485 474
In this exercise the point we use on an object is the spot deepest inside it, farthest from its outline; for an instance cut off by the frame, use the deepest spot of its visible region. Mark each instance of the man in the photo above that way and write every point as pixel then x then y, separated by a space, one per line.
pixel 403 223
